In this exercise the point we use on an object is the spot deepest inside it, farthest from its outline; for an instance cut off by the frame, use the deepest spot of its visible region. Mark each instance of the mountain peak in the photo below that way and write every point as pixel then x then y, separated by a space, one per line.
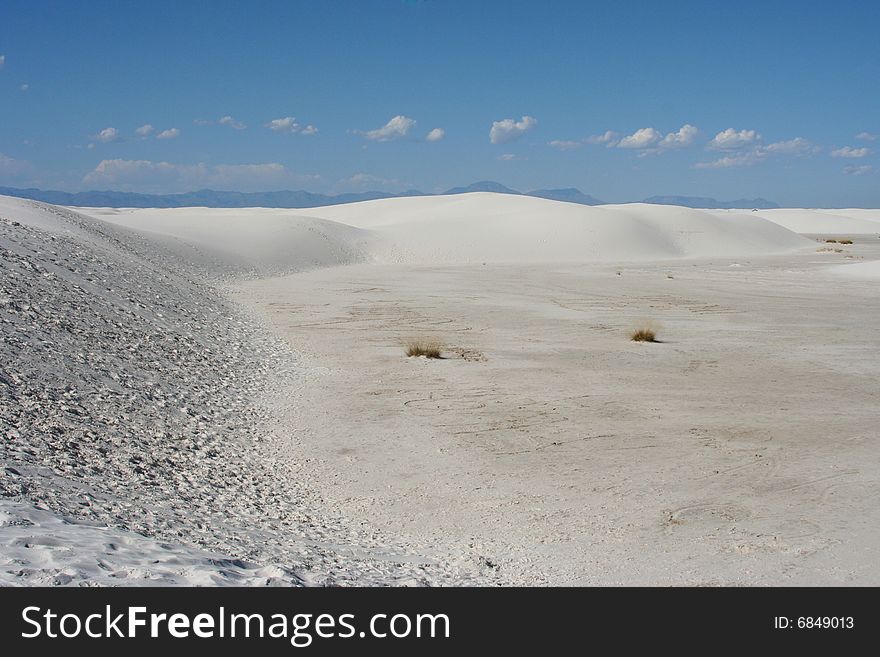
pixel 483 186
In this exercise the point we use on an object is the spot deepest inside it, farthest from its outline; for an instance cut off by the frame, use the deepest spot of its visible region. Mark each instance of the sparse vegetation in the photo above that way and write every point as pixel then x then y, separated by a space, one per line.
pixel 428 348
pixel 643 334
pixel 831 241
pixel 669 275
pixel 844 241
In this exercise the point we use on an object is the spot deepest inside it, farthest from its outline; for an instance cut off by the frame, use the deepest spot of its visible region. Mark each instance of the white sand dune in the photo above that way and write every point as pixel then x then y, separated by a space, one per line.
pixel 816 222
pixel 136 442
pixel 855 213
pixel 460 229
pixel 260 239
pixel 865 270
pixel 502 228
pixel 160 428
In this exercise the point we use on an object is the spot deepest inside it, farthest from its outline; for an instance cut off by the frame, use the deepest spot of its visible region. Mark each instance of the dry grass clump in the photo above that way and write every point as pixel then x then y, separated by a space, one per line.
pixel 844 241
pixel 429 348
pixel 645 330
pixel 831 241
pixel 643 334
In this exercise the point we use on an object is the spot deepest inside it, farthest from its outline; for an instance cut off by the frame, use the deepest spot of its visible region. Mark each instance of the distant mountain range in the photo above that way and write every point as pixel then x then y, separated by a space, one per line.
pixel 705 202
pixel 302 199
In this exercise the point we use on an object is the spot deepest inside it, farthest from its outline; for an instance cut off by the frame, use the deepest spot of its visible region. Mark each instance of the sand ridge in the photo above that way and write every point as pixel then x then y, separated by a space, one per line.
pixel 459 229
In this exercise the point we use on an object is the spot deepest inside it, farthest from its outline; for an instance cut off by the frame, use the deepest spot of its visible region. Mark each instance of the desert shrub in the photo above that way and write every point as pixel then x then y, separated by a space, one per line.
pixel 844 241
pixel 428 348
pixel 643 334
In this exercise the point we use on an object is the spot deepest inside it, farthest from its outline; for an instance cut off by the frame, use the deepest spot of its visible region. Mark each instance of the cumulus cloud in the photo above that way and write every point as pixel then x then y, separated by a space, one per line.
pixel 107 135
pixel 509 129
pixel 756 153
pixel 289 125
pixel 171 133
pixel 609 138
pixel 510 157
pixel 2 60
pixel 648 141
pixel 435 135
pixel 397 127
pixel 866 136
pixel 24 87
pixel 641 138
pixel 166 176
pixel 747 159
pixel 144 131
pixel 857 169
pixel 851 153
pixel 565 144
pixel 798 146
pixel 683 138
pixel 231 122
pixel 732 140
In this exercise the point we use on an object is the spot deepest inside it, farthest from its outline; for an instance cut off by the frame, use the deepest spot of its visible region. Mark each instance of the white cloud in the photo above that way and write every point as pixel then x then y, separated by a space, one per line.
pixel 171 133
pixel 144 131
pixel 866 136
pixel 11 166
pixel 684 137
pixel 397 128
pixel 2 60
pixel 609 138
pixel 857 170
pixel 756 153
pixel 565 144
pixel 24 87
pixel 107 135
pixel 509 129
pixel 798 146
pixel 510 157
pixel 435 135
pixel 360 182
pixel 647 140
pixel 852 153
pixel 231 122
pixel 732 140
pixel 641 138
pixel 747 159
pixel 290 126
pixel 166 176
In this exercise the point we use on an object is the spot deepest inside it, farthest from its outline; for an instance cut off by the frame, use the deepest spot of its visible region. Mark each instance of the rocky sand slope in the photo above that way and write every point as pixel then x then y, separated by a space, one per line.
pixel 136 442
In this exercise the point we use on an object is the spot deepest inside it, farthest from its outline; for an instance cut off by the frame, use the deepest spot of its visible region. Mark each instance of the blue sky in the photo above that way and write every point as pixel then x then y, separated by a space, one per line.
pixel 621 99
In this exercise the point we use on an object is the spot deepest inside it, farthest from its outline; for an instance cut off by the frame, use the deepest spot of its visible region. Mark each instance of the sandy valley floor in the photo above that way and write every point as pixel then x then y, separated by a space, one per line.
pixel 743 449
